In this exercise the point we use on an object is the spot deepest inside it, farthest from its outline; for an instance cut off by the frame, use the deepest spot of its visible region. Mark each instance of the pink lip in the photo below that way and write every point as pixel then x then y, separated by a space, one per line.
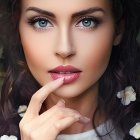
pixel 69 73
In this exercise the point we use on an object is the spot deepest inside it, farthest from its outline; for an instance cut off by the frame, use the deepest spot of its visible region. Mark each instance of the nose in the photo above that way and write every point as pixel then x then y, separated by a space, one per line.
pixel 64 46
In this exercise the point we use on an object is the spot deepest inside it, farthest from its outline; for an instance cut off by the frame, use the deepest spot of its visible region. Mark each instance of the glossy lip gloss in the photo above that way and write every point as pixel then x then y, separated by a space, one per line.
pixel 69 73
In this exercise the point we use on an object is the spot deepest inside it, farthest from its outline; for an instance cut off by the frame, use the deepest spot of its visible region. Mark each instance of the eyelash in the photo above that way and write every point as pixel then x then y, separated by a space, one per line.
pixel 95 22
pixel 34 22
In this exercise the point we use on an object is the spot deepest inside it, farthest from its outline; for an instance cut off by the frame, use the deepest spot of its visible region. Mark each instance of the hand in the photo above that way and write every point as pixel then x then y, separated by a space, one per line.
pixel 48 125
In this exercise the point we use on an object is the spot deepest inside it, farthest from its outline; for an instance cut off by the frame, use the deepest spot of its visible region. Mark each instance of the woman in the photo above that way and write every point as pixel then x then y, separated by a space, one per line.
pixel 75 64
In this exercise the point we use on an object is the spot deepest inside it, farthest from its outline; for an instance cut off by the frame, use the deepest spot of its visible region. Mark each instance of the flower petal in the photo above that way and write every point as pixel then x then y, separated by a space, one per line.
pixel 5 137
pixel 21 110
pixel 120 94
pixel 129 88
pixel 125 101
pixel 12 137
pixel 127 95
pixel 135 131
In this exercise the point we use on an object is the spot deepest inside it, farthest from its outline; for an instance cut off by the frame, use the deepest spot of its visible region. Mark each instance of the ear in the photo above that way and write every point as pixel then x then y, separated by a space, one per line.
pixel 119 34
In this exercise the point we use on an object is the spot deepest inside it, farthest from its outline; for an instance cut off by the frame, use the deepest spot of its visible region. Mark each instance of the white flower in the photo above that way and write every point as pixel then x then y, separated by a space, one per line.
pixel 127 95
pixel 5 137
pixel 135 131
pixel 21 110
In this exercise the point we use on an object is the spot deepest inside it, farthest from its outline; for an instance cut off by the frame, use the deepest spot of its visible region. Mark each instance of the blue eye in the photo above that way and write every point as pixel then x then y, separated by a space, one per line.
pixel 40 23
pixel 89 22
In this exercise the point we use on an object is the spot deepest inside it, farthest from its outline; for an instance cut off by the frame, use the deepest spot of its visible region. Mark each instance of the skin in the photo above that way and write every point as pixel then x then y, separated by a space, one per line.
pixel 65 41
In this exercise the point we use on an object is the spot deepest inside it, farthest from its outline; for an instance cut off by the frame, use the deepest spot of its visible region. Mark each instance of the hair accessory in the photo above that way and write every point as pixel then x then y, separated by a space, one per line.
pixel 5 137
pixel 21 110
pixel 127 95
pixel 135 131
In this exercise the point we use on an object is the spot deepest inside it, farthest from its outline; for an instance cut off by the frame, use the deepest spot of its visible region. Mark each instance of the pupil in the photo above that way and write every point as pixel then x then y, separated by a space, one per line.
pixel 42 23
pixel 86 23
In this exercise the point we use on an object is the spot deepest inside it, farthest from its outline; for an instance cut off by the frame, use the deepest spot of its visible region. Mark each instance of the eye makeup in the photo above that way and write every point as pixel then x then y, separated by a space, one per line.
pixel 88 22
pixel 42 23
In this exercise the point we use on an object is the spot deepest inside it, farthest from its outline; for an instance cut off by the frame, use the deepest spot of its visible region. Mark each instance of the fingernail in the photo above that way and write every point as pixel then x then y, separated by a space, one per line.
pixel 77 117
pixel 84 119
pixel 61 103
pixel 59 79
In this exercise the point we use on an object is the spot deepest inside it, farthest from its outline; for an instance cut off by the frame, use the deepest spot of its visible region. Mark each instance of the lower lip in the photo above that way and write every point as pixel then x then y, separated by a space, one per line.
pixel 68 78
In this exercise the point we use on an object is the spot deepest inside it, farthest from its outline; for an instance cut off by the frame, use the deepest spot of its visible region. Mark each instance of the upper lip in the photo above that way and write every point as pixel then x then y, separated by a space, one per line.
pixel 67 68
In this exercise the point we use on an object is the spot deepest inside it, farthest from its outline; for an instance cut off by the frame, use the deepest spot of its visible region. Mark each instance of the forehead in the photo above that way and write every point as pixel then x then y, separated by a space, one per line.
pixel 66 6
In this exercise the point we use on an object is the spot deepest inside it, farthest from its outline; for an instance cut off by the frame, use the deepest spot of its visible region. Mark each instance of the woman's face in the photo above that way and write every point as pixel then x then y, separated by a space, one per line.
pixel 65 34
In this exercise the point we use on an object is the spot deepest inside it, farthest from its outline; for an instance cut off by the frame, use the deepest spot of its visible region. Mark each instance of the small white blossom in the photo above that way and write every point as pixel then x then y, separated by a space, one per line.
pixel 21 110
pixel 127 95
pixel 135 131
pixel 5 137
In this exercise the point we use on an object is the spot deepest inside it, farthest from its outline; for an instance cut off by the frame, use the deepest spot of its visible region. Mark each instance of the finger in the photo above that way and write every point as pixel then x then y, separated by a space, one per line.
pixel 58 111
pixel 84 119
pixel 61 103
pixel 61 112
pixel 65 123
pixel 33 122
pixel 39 97
pixel 68 121
pixel 51 129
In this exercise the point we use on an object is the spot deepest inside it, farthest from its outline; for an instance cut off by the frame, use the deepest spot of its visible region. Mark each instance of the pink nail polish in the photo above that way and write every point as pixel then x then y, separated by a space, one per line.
pixel 85 120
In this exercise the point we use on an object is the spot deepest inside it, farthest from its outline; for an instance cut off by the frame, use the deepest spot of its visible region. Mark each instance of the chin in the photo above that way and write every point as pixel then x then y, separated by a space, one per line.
pixel 68 91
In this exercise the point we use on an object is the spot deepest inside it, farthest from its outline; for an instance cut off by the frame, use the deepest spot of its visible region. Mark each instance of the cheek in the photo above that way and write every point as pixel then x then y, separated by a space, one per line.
pixel 95 49
pixel 98 59
pixel 32 51
pixel 35 46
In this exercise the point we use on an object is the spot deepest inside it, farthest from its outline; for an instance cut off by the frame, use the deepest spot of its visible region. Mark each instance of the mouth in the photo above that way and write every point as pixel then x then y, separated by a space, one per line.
pixel 69 73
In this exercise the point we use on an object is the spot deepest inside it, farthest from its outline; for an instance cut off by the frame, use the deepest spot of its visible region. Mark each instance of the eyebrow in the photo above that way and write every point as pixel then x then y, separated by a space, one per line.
pixel 88 11
pixel 77 14
pixel 40 11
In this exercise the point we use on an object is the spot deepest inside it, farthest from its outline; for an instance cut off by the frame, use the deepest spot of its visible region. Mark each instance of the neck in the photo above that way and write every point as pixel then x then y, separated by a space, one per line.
pixel 85 103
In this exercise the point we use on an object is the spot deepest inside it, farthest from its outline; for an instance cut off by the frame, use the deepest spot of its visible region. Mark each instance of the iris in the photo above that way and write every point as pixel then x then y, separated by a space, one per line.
pixel 87 22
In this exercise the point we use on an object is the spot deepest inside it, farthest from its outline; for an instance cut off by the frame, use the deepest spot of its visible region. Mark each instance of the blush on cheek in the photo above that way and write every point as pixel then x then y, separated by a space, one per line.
pixel 33 56
pixel 99 55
